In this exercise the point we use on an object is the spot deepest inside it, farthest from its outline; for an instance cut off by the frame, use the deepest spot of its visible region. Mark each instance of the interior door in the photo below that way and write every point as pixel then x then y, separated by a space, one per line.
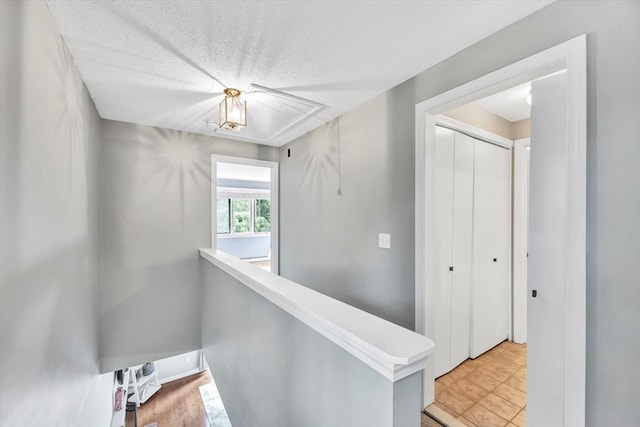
pixel 491 247
pixel 443 219
pixel 461 251
pixel 546 239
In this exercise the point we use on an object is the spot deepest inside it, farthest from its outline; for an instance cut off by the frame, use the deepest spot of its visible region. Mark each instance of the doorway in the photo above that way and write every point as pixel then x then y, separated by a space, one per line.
pixel 244 209
pixel 567 232
pixel 480 367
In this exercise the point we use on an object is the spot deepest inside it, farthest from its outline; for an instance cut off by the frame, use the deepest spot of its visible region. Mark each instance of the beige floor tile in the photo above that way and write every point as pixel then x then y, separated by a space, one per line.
pixel 510 345
pixel 464 369
pixel 517 349
pixel 486 382
pixel 449 379
pixel 483 417
pixel 520 360
pixel 500 406
pixel 511 425
pixel 475 378
pixel 521 419
pixel 511 394
pixel 496 350
pixel 474 363
pixel 517 383
pixel 506 363
pixel 490 358
pixel 439 388
pixel 521 373
pixel 467 423
pixel 454 401
pixel 469 390
pixel 496 372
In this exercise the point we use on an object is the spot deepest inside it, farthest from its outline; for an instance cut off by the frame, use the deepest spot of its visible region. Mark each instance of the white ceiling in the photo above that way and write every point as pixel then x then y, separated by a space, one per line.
pixel 510 104
pixel 165 63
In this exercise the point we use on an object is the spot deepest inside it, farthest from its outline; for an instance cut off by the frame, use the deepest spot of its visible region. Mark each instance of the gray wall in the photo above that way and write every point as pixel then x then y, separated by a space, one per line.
pixel 274 371
pixel 329 241
pixel 156 207
pixel 49 222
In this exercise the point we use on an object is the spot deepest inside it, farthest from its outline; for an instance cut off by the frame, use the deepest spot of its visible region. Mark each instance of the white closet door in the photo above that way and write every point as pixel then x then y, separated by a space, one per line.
pixel 491 248
pixel 462 240
pixel 444 171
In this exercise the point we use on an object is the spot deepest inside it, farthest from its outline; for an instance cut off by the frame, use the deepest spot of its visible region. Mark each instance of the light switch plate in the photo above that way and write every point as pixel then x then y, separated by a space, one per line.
pixel 384 240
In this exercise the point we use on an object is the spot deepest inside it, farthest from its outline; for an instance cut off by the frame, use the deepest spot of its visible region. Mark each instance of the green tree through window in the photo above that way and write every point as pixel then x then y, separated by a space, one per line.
pixel 263 216
pixel 237 215
pixel 241 215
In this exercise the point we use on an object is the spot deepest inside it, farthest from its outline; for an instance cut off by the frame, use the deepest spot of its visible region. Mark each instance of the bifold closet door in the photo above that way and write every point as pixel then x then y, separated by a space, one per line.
pixel 453 220
pixel 443 221
pixel 461 251
pixel 491 247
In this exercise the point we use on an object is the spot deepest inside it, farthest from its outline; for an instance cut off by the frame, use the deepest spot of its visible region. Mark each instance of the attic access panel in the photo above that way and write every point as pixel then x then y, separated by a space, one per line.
pixel 269 114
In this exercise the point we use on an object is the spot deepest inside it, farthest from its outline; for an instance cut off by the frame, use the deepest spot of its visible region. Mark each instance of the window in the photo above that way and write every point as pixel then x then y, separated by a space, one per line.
pixel 223 216
pixel 262 222
pixel 243 215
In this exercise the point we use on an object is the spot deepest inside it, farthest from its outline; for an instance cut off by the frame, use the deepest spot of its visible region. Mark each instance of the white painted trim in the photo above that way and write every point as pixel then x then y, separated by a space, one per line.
pixel 576 239
pixel 241 235
pixel 275 219
pixel 570 55
pixel 520 224
pixel 275 202
pixel 393 351
pixel 473 131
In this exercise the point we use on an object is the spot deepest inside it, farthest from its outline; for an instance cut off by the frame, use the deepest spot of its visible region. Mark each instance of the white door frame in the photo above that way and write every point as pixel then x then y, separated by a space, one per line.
pixel 520 229
pixel 569 56
pixel 275 219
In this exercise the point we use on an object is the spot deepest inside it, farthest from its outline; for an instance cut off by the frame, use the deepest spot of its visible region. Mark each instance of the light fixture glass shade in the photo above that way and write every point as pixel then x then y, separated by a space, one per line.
pixel 233 110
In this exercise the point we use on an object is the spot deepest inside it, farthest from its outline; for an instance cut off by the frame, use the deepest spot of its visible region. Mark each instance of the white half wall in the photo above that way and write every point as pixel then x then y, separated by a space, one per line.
pixel 273 370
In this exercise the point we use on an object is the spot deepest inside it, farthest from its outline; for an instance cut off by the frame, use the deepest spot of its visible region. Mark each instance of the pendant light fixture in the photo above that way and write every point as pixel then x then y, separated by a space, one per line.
pixel 233 110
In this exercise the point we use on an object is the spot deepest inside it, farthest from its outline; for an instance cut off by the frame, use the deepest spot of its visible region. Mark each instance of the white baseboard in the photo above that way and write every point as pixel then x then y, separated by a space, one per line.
pixel 181 375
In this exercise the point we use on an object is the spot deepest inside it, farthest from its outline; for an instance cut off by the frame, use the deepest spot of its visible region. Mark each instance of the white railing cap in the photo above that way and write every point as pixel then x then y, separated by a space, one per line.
pixel 393 351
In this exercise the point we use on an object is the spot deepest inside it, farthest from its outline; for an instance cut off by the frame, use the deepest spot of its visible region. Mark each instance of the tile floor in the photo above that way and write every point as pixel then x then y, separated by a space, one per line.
pixel 489 390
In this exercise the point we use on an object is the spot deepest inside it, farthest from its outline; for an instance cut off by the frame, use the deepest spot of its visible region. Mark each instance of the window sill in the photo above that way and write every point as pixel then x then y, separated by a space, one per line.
pixel 241 235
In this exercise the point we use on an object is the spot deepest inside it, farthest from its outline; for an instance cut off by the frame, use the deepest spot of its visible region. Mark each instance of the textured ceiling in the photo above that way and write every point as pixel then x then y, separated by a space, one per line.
pixel 510 104
pixel 165 63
